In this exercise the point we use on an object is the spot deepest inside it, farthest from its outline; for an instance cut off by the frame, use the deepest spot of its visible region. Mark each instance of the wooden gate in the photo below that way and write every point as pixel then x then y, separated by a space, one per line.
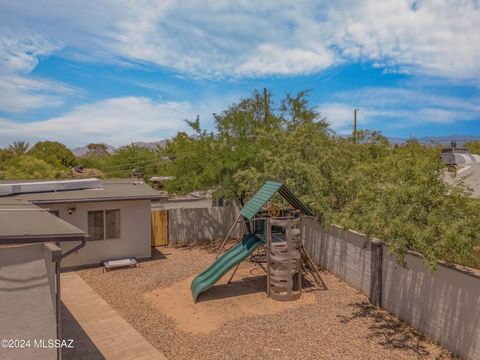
pixel 159 227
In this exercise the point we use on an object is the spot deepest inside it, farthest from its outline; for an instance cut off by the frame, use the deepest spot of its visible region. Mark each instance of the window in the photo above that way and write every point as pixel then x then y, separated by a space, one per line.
pixel 104 224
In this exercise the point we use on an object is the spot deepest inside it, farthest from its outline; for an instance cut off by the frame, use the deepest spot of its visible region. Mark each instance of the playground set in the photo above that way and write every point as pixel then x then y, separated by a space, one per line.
pixel 275 231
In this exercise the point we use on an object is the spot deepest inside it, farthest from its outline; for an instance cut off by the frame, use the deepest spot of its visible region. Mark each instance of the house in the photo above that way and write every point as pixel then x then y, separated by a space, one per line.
pixel 114 213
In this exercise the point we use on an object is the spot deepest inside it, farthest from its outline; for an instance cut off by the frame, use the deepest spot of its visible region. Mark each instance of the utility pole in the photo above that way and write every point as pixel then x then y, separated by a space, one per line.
pixel 355 126
pixel 265 102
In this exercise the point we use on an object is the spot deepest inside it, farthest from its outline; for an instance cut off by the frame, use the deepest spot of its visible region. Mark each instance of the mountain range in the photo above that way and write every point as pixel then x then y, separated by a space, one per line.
pixel 81 151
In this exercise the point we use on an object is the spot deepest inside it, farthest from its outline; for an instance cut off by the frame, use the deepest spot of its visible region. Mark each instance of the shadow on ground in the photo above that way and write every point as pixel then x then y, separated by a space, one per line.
pixel 83 347
pixel 244 286
pixel 387 330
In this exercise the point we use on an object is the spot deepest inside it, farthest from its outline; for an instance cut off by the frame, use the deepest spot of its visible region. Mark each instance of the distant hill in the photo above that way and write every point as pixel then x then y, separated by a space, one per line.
pixel 442 140
pixel 81 151
pixel 152 145
pixel 445 140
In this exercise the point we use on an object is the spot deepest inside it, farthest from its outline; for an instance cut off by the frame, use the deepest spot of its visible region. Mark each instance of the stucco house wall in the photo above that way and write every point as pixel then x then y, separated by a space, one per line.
pixel 135 230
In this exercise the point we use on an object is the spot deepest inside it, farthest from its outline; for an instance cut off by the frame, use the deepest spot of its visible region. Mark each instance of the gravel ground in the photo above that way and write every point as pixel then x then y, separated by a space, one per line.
pixel 340 324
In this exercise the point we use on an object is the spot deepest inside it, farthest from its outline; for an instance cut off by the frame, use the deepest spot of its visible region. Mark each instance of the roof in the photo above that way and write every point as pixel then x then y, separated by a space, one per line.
pixel 460 158
pixel 28 310
pixel 470 175
pixel 262 196
pixel 24 222
pixel 112 190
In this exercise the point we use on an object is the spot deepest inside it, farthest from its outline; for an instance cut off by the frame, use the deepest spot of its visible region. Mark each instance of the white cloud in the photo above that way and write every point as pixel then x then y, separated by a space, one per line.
pixel 439 37
pixel 116 121
pixel 397 108
pixel 221 38
pixel 19 55
pixel 340 116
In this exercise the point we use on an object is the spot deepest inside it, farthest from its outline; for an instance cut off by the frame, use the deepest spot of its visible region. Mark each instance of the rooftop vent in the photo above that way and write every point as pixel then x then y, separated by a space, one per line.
pixel 49 186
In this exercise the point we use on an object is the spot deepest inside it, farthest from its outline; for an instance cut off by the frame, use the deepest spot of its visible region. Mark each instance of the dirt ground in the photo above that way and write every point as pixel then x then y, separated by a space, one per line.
pixel 238 321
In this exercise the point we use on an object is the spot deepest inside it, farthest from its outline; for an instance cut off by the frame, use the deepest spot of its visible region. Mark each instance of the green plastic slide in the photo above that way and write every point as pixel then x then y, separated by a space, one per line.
pixel 224 263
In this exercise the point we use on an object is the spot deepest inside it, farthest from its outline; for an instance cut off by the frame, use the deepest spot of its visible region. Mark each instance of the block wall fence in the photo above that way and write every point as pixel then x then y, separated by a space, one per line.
pixel 444 305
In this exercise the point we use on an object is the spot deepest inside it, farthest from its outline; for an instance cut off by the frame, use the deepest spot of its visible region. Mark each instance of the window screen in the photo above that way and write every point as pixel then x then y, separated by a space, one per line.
pixel 95 225
pixel 112 219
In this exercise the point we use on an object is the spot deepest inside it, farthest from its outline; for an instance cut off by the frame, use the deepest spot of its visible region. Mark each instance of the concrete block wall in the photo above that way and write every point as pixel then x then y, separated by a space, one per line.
pixel 444 305
pixel 345 254
pixel 187 226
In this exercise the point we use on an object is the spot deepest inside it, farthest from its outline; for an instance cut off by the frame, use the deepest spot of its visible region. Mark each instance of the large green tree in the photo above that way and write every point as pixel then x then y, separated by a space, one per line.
pixel 30 167
pixel 393 192
pixel 134 160
pixel 54 153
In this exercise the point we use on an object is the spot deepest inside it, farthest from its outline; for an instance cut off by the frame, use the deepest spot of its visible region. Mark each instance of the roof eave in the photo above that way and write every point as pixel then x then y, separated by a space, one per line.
pixel 29 239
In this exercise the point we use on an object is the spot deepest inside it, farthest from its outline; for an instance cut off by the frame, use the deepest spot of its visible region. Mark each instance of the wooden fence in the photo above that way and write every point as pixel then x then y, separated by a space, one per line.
pixel 159 227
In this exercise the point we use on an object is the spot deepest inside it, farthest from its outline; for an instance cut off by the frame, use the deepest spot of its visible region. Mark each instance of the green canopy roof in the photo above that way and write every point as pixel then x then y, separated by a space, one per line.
pixel 255 204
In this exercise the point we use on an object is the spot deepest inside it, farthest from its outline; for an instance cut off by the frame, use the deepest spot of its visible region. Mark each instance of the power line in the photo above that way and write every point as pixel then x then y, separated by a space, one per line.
pixel 138 162
pixel 124 170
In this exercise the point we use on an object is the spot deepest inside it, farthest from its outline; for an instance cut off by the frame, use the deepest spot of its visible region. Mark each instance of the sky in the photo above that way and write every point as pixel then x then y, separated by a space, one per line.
pixel 118 71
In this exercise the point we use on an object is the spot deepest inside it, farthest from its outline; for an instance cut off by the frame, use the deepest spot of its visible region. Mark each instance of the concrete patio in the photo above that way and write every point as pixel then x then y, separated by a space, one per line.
pixel 98 331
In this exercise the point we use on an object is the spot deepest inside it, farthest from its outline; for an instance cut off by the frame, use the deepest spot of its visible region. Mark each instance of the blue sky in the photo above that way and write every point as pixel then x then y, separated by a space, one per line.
pixel 122 71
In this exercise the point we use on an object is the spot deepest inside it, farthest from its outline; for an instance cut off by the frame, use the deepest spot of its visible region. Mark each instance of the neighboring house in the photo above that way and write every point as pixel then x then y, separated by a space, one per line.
pixel 459 156
pixel 114 213
pixel 469 175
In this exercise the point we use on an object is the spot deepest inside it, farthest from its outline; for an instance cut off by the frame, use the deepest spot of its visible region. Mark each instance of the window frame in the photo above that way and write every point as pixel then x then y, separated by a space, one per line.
pixel 104 220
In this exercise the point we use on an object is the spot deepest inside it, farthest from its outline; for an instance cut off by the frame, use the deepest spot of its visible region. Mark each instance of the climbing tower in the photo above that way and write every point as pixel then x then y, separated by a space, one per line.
pixel 284 260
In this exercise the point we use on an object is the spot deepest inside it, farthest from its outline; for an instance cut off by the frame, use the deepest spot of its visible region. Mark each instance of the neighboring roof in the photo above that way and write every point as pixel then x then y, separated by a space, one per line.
pixel 27 304
pixel 23 222
pixel 262 196
pixel 112 190
pixel 470 175
pixel 460 158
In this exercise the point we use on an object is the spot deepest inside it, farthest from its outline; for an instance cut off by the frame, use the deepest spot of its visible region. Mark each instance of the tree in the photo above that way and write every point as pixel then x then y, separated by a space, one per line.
pixel 29 167
pixel 54 153
pixel 395 193
pixel 19 148
pixel 205 161
pixel 97 149
pixel 5 155
pixel 132 158
pixel 473 147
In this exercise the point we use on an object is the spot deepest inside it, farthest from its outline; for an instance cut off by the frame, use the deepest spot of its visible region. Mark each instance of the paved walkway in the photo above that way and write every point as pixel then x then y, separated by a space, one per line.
pixel 98 330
